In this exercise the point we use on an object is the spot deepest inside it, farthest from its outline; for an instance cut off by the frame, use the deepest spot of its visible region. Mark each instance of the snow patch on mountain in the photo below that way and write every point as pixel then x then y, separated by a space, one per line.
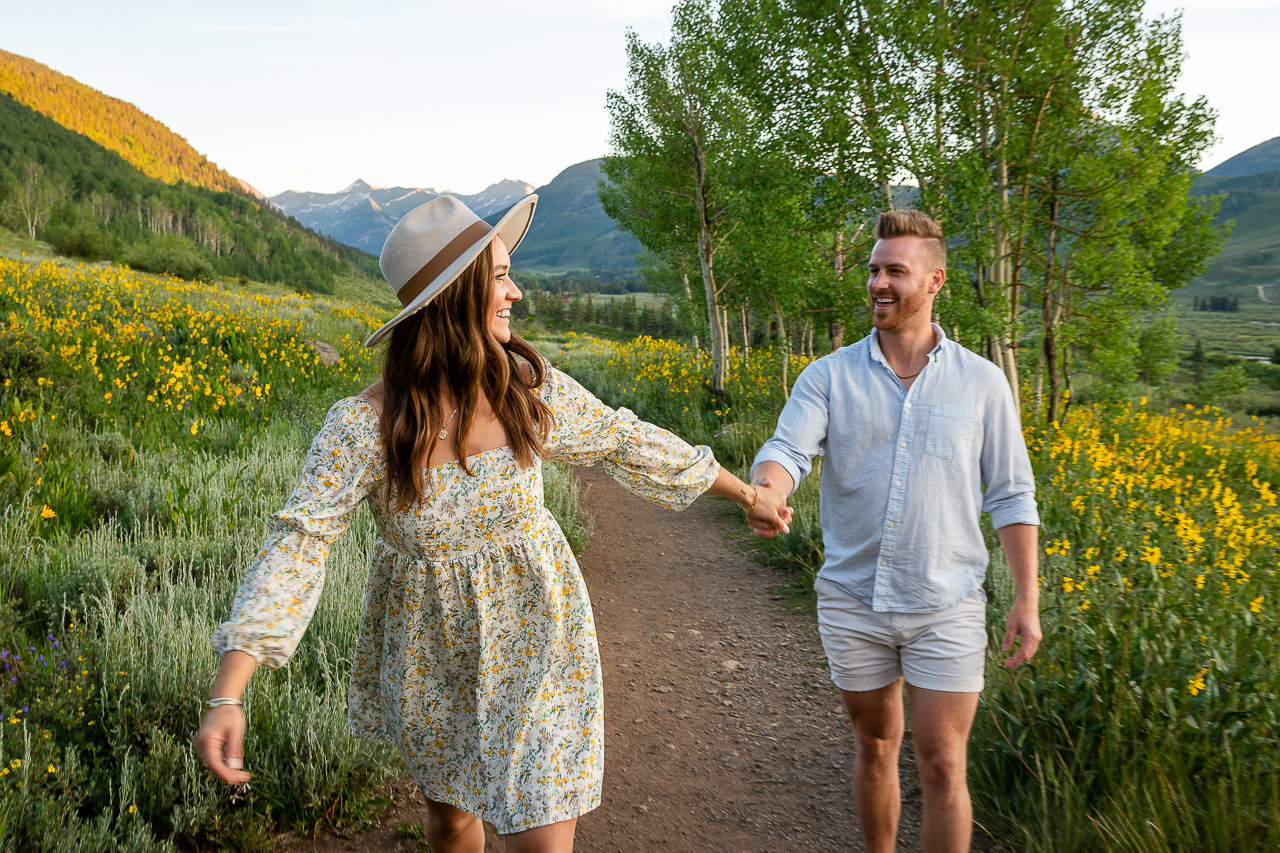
pixel 362 215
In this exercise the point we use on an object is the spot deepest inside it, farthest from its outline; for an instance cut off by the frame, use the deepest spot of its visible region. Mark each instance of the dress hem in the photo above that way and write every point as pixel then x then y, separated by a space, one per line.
pixel 471 809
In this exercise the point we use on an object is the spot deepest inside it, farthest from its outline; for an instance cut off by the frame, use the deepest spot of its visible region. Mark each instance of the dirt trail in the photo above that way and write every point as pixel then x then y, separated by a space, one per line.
pixel 722 728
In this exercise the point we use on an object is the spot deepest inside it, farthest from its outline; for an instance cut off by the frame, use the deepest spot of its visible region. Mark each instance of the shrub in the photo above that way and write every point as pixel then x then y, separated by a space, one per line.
pixel 74 232
pixel 170 254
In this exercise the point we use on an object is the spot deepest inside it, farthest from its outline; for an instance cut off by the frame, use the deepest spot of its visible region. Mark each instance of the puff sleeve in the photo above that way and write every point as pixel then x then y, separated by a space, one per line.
pixel 648 460
pixel 282 585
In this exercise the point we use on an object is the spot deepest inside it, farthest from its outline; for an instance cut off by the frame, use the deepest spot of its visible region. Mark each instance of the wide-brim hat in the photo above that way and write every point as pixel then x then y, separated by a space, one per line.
pixel 434 243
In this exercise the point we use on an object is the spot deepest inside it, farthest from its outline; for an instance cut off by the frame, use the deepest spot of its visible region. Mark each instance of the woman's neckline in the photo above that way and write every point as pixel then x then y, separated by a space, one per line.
pixel 472 456
pixel 476 455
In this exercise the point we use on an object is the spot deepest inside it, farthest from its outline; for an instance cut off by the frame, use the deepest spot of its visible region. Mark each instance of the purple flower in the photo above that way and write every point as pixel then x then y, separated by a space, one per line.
pixel 24 709
pixel 15 678
pixel 4 654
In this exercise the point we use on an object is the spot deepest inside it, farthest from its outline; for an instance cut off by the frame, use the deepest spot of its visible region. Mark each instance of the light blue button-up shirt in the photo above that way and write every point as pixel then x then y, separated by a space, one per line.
pixel 907 473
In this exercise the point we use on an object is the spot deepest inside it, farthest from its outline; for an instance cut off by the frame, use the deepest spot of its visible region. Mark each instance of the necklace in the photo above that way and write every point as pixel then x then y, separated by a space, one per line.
pixel 900 376
pixel 444 430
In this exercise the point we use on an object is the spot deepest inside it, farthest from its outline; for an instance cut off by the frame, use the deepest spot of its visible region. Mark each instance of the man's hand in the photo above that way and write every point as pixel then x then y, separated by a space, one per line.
pixel 1024 622
pixel 1022 553
pixel 770 515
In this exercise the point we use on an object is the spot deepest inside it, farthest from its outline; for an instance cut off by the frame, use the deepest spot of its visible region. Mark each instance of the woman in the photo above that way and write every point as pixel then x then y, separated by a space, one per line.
pixel 477 653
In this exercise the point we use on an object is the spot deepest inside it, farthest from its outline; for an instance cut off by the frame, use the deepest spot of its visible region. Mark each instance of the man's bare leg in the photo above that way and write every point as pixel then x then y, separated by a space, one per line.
pixel 877 722
pixel 940 724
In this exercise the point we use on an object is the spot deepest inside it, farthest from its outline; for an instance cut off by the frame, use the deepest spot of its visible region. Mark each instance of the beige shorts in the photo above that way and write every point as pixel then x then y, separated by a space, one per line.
pixel 867 650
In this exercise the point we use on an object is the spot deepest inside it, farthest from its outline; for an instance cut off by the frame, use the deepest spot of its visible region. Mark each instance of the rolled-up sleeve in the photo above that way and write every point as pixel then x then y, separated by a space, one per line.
pixel 647 460
pixel 1007 478
pixel 802 427
pixel 281 586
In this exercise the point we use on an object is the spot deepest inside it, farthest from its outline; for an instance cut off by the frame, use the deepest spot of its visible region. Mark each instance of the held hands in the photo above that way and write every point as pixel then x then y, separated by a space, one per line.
pixel 769 515
pixel 220 744
pixel 1024 622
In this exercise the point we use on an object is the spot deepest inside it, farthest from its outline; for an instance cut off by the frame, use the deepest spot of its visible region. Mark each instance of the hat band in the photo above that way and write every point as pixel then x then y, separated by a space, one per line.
pixel 442 261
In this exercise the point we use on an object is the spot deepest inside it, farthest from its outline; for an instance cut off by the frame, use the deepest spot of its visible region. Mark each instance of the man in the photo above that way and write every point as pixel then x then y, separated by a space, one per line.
pixel 921 436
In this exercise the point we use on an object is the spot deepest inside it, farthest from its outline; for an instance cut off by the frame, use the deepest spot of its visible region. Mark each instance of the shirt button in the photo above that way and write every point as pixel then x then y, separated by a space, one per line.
pixel 902 444
pixel 908 405
pixel 897 482
pixel 891 525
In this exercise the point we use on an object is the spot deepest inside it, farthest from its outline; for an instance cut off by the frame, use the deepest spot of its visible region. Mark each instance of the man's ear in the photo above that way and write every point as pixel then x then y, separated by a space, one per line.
pixel 938 280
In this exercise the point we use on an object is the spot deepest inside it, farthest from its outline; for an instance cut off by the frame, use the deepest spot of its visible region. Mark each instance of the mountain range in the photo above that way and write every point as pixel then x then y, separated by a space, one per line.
pixel 361 215
pixel 570 232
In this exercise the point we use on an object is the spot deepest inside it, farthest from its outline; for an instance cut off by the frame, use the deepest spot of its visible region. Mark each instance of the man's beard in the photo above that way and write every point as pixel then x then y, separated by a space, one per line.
pixel 907 307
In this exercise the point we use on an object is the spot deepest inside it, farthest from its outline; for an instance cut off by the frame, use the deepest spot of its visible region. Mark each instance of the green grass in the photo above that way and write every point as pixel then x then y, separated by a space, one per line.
pixel 1242 332
pixel 17 245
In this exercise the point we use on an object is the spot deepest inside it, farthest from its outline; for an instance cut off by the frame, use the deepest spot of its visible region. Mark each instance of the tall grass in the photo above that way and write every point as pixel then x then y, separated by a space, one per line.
pixel 1149 719
pixel 131 607
pixel 126 526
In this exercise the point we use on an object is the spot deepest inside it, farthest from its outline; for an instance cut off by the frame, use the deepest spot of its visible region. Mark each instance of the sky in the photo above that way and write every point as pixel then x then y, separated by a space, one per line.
pixel 313 95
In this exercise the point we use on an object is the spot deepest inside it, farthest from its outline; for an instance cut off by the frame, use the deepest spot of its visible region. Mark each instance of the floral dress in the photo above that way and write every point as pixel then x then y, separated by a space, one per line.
pixel 477 653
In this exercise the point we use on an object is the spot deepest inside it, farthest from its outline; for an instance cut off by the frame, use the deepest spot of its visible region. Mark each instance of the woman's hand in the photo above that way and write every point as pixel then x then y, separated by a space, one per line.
pixel 764 516
pixel 220 743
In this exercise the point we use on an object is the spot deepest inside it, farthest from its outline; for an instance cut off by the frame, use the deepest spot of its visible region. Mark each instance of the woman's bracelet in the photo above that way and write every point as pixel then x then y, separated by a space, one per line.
pixel 223 700
pixel 755 498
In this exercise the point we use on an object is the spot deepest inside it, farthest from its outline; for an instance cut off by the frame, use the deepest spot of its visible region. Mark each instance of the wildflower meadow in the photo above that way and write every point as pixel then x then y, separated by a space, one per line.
pixel 149 426
pixel 1148 721
pixel 148 429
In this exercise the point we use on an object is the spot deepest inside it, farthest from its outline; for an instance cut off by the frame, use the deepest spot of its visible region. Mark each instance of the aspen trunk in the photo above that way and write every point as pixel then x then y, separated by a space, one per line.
pixel 706 254
pixel 1051 363
pixel 1007 342
pixel 836 327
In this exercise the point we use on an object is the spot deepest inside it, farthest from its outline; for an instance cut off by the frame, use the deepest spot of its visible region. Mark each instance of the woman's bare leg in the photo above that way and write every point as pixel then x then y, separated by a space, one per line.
pixel 553 838
pixel 451 830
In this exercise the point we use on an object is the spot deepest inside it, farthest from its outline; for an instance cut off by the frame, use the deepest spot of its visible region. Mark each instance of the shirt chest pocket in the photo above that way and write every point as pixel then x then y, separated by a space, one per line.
pixel 951 430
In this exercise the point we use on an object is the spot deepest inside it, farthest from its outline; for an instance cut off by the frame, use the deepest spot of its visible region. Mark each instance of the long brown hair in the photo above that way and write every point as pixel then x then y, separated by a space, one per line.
pixel 448 347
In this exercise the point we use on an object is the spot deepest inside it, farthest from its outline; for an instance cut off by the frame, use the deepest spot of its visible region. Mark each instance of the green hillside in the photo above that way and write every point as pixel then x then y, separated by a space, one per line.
pixel 114 124
pixel 1252 254
pixel 571 231
pixel 88 202
pixel 1264 157
pixel 1246 271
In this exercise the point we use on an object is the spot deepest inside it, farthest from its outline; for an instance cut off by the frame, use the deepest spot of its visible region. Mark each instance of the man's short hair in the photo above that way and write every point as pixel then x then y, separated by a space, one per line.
pixel 913 223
